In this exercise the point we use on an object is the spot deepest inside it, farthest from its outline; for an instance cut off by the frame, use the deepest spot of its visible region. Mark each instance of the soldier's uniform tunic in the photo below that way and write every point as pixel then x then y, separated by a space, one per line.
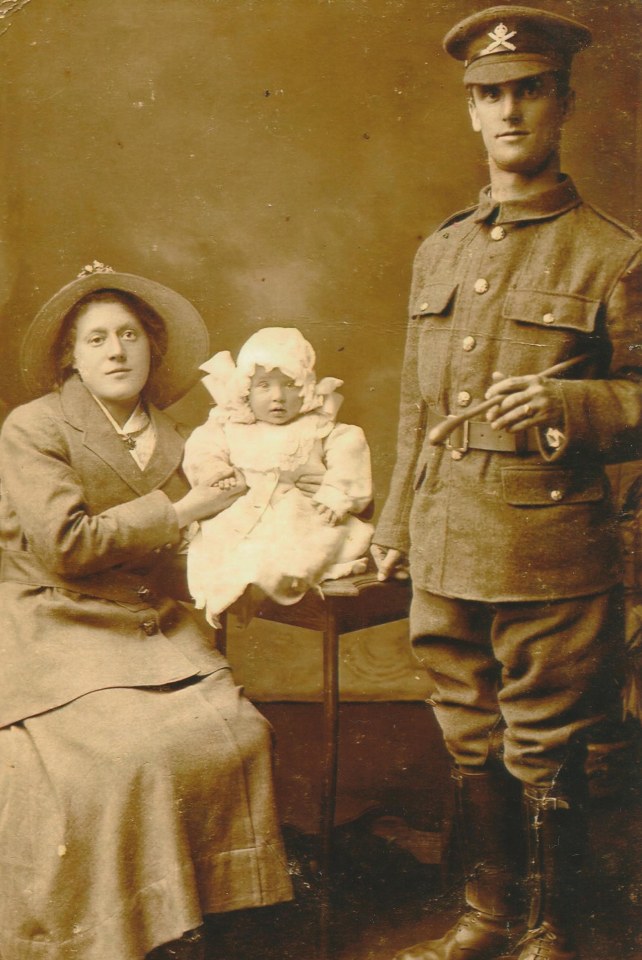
pixel 512 539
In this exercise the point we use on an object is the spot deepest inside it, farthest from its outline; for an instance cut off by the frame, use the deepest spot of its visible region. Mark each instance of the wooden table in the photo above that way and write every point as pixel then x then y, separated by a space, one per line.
pixel 343 606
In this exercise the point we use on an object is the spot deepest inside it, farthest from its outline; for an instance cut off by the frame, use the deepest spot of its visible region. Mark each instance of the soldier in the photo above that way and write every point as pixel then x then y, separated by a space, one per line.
pixel 529 300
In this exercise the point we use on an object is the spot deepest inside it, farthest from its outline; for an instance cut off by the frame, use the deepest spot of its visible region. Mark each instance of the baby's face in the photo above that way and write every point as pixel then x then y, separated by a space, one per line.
pixel 274 397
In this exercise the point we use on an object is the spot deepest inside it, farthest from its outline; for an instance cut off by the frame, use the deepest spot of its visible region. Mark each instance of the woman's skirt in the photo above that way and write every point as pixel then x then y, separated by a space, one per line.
pixel 128 814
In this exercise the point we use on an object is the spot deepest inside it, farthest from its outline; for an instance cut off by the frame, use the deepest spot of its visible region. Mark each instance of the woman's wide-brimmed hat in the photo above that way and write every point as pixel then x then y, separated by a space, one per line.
pixel 187 336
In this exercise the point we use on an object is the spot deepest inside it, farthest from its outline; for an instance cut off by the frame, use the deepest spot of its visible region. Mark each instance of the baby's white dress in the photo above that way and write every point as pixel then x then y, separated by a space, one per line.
pixel 273 537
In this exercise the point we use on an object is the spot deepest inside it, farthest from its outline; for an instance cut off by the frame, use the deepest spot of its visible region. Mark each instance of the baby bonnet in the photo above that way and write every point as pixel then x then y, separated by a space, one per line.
pixel 284 348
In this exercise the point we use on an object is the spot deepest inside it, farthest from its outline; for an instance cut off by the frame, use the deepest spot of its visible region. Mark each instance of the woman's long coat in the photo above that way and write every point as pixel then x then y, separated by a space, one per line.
pixel 136 792
pixel 94 528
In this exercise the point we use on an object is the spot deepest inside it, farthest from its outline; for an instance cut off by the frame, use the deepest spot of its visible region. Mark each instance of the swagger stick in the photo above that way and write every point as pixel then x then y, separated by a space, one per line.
pixel 443 430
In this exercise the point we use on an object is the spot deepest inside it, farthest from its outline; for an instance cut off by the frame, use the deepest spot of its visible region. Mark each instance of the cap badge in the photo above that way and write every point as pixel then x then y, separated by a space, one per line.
pixel 501 40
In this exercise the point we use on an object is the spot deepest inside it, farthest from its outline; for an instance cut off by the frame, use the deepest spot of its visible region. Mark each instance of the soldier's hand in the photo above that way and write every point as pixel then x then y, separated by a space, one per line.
pixel 524 402
pixel 390 563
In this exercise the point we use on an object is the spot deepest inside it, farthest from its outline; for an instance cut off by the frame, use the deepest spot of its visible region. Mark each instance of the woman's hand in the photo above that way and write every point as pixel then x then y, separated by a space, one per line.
pixel 390 563
pixel 524 402
pixel 226 483
pixel 202 502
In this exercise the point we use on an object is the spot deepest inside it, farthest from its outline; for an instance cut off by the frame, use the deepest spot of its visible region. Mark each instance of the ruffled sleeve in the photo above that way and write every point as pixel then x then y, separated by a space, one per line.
pixel 207 455
pixel 347 483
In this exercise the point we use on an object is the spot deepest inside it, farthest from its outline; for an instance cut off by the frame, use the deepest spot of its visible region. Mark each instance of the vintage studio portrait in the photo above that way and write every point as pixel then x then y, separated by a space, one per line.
pixel 320 480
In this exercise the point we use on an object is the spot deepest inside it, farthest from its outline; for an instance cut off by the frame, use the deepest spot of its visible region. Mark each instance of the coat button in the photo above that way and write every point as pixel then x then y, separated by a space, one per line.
pixel 423 306
pixel 463 398
pixel 150 627
pixel 481 285
pixel 497 233
pixel 556 495
pixel 468 344
pixel 144 593
pixel 548 318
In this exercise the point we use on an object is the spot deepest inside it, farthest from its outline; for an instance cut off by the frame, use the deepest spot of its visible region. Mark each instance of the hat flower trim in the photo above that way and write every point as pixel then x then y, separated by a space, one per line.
pixel 91 268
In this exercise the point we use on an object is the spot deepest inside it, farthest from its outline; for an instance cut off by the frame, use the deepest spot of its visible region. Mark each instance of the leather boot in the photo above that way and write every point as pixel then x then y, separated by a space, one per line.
pixel 488 814
pixel 556 832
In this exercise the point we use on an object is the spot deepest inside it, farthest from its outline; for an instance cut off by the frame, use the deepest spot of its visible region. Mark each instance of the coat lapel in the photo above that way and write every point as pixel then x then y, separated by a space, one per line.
pixel 168 452
pixel 84 414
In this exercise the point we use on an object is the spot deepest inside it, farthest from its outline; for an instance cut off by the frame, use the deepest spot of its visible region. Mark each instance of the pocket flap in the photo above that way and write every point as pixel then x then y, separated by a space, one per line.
pixel 527 486
pixel 551 310
pixel 433 299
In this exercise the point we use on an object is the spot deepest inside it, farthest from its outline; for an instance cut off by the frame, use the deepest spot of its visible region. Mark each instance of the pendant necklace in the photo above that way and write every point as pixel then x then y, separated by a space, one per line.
pixel 129 438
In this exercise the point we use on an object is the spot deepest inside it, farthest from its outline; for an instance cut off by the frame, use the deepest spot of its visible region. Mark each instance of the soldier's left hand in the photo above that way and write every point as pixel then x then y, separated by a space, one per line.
pixel 524 402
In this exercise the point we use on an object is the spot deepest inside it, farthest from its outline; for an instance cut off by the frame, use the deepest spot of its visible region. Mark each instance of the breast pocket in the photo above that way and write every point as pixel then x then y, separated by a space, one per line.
pixel 432 310
pixel 555 325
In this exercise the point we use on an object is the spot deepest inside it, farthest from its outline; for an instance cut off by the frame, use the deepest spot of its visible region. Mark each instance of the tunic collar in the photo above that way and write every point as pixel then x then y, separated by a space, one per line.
pixel 550 203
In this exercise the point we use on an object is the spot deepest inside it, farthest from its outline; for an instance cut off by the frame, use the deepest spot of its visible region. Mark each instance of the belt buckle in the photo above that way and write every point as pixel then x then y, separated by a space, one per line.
pixel 465 426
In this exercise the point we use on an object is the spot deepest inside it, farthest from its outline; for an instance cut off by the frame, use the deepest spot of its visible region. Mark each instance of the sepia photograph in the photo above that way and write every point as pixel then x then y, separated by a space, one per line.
pixel 320 480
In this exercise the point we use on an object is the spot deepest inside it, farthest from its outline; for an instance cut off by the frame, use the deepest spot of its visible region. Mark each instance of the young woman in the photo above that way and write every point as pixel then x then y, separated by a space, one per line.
pixel 135 779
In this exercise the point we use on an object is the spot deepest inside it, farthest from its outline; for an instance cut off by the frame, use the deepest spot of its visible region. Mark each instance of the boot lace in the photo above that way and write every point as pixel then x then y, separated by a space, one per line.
pixel 542 938
pixel 544 932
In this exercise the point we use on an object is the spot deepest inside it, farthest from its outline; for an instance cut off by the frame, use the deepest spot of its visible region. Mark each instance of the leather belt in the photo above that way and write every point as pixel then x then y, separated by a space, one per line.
pixel 479 435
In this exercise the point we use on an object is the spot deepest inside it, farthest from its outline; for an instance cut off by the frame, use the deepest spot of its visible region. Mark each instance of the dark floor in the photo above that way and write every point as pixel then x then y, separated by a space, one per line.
pixel 385 899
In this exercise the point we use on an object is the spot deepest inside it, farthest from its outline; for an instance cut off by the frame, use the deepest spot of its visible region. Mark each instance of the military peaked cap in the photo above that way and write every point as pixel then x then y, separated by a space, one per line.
pixel 506 43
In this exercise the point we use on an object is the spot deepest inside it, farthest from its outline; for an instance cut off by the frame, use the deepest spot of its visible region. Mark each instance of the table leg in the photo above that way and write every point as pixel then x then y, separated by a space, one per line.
pixel 330 768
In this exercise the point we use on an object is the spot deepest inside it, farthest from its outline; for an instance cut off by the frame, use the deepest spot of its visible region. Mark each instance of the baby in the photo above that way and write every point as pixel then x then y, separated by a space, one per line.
pixel 276 425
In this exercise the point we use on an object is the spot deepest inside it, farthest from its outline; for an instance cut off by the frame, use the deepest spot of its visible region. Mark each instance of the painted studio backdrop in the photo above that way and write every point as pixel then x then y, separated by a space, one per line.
pixel 276 161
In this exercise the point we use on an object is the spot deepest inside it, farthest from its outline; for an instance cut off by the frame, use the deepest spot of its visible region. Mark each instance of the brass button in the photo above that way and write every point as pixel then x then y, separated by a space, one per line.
pixel 463 398
pixel 144 593
pixel 456 454
pixel 556 495
pixel 423 306
pixel 481 285
pixel 497 233
pixel 150 627
pixel 548 318
pixel 469 343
